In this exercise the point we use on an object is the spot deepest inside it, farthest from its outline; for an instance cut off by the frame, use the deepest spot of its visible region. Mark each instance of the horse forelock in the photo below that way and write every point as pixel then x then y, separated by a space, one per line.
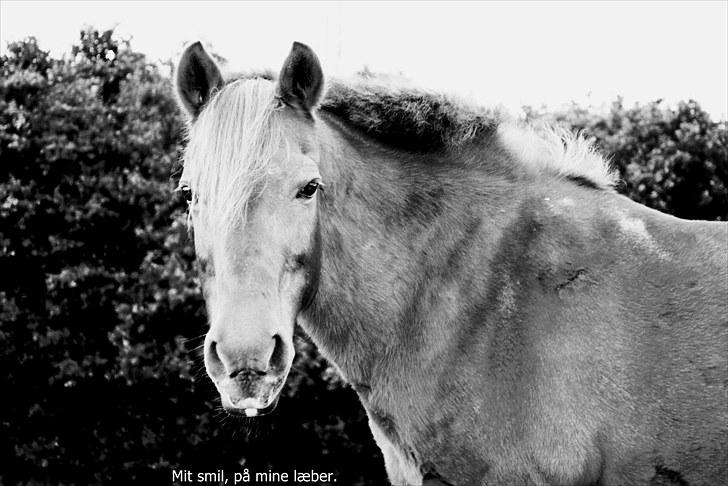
pixel 230 149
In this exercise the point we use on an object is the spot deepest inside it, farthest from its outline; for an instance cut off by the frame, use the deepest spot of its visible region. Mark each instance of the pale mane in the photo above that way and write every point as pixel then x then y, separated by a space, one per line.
pixel 550 148
pixel 230 148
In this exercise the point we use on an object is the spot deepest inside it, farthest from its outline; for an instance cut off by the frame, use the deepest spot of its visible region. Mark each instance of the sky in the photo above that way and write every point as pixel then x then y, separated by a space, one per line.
pixel 509 54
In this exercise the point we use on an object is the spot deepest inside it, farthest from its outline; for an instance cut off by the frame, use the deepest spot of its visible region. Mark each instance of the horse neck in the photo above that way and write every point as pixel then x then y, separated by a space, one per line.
pixel 392 229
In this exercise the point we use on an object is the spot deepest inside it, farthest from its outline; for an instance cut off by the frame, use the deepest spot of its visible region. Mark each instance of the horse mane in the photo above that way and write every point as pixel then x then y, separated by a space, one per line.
pixel 423 121
pixel 407 118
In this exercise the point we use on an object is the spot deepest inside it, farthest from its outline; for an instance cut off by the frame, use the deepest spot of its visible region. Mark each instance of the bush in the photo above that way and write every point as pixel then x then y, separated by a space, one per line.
pixel 101 317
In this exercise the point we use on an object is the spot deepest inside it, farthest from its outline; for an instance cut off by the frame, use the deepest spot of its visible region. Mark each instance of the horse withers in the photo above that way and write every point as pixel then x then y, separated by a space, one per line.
pixel 504 316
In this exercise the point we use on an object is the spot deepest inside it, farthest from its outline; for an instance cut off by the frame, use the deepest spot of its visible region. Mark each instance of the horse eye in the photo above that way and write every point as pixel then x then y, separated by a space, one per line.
pixel 308 190
pixel 186 192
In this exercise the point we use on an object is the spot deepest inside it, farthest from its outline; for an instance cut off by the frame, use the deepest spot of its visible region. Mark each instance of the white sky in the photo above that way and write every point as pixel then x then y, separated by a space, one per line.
pixel 513 54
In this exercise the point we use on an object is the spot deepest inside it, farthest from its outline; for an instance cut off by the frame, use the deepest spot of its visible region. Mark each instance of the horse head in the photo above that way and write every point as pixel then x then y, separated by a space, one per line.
pixel 252 181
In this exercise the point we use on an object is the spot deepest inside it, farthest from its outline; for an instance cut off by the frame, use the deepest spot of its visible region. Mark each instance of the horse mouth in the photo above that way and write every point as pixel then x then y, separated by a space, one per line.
pixel 252 412
pixel 250 398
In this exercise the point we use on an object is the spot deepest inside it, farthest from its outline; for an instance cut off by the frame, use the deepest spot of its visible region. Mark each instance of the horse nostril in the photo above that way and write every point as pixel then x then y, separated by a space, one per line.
pixel 277 358
pixel 214 364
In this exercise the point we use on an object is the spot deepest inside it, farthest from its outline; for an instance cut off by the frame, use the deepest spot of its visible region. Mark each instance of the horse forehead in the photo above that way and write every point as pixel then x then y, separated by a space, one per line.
pixel 300 131
pixel 288 166
pixel 298 155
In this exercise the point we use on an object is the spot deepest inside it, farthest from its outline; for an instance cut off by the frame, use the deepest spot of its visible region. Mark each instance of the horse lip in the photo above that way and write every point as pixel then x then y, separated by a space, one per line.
pixel 256 412
pixel 249 402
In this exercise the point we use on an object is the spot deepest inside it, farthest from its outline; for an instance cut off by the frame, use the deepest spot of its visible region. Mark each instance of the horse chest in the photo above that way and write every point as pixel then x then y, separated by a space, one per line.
pixel 400 465
pixel 403 464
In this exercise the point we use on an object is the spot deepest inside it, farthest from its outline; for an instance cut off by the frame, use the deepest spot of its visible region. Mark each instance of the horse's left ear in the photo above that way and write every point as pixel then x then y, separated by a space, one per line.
pixel 197 76
pixel 301 82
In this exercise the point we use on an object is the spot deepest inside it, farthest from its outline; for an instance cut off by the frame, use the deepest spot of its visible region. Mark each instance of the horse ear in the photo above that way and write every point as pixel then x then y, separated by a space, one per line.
pixel 197 75
pixel 301 82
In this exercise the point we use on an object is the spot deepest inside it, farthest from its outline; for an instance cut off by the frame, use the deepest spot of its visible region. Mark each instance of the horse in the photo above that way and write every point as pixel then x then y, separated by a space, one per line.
pixel 504 315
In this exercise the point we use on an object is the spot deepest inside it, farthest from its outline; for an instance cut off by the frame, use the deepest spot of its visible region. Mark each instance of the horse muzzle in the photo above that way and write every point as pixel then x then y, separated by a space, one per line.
pixel 250 394
pixel 248 374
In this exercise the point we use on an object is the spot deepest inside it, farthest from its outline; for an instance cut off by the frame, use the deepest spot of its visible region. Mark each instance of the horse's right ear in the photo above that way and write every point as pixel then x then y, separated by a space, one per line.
pixel 301 82
pixel 197 75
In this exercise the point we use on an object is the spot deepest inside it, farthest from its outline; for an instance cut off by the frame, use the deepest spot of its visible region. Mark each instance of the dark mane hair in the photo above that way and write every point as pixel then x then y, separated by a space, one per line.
pixel 410 119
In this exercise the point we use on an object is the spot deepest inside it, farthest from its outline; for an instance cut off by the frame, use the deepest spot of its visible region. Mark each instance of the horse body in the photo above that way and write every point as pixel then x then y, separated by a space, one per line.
pixel 501 323
pixel 549 341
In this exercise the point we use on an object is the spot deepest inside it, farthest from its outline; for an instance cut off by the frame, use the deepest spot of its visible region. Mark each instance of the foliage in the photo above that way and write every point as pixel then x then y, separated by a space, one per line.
pixel 100 312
